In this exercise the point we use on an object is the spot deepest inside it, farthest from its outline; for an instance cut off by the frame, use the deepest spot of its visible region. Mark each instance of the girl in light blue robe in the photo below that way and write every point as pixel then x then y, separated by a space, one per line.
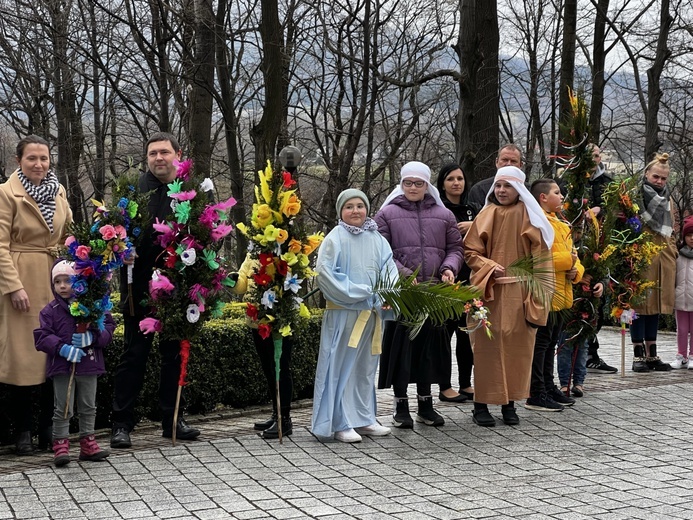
pixel 351 258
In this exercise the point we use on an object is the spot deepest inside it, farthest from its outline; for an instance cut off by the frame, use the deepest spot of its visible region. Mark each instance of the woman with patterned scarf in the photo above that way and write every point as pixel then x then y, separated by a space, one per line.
pixel 657 217
pixel 34 214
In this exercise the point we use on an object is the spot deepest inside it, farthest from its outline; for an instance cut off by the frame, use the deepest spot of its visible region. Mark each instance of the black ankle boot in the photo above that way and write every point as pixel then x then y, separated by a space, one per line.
pixel 263 425
pixel 653 361
pixel 23 445
pixel 427 414
pixel 482 416
pixel 273 431
pixel 639 360
pixel 509 414
pixel 402 418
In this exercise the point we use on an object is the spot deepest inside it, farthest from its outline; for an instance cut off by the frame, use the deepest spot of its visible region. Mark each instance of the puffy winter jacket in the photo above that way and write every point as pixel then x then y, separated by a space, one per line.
pixel 422 235
pixel 684 284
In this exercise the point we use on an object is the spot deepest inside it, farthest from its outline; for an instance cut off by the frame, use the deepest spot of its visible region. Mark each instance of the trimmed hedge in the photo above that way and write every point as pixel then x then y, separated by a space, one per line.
pixel 224 371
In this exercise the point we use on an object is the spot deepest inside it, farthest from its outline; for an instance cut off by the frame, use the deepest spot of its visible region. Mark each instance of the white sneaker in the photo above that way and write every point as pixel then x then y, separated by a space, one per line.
pixel 690 365
pixel 680 362
pixel 374 430
pixel 348 436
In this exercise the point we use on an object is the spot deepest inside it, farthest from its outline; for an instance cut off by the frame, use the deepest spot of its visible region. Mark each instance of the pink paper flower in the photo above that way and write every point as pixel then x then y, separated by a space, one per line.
pixel 167 233
pixel 69 240
pixel 184 195
pixel 221 231
pixel 208 217
pixel 82 252
pixel 108 232
pixel 150 325
pixel 226 205
pixel 121 232
pixel 183 169
pixel 160 286
pixel 198 293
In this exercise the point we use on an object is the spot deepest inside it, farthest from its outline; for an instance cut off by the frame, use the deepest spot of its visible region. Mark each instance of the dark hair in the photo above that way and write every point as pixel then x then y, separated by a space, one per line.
pixel 447 170
pixel 162 136
pixel 541 186
pixel 30 139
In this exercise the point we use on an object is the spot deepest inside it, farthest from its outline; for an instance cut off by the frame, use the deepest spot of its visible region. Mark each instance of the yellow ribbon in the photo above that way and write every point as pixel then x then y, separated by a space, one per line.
pixel 360 326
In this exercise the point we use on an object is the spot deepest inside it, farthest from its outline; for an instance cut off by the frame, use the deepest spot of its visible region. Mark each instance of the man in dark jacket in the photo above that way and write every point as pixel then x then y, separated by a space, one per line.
pixel 162 150
pixel 509 155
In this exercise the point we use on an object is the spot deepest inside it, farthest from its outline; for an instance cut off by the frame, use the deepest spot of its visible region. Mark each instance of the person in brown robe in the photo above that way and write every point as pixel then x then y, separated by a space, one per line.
pixel 511 226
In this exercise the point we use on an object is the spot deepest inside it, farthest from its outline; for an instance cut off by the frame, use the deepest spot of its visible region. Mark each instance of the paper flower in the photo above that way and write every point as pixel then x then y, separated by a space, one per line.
pixel 150 325
pixel 207 185
pixel 189 256
pixel 192 313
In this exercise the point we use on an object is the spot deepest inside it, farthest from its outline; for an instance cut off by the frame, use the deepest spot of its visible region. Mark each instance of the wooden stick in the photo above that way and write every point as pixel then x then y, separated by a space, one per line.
pixel 69 390
pixel 623 350
pixel 175 414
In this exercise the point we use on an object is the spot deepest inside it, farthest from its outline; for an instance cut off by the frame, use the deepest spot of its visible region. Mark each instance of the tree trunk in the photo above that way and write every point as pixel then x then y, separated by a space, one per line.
pixel 598 78
pixel 567 66
pixel 654 92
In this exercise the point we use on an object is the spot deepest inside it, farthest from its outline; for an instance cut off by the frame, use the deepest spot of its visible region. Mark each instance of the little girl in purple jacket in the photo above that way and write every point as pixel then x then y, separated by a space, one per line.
pixel 56 337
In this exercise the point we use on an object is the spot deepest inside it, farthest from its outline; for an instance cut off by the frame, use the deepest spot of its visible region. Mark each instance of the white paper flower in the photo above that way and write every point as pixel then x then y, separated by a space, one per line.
pixel 207 185
pixel 192 313
pixel 174 205
pixel 188 256
pixel 268 298
pixel 292 283
pixel 155 275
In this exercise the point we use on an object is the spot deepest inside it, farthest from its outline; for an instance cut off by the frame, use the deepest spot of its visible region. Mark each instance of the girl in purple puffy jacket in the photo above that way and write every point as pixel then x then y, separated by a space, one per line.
pixel 65 348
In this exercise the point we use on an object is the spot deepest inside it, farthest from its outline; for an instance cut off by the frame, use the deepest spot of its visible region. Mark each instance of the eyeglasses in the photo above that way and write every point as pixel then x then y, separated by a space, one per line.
pixel 409 184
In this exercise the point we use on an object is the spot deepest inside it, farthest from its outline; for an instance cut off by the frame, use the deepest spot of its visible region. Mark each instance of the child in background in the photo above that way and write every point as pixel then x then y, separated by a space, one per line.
pixel 544 394
pixel 684 297
pixel 351 258
pixel 56 337
pixel 511 226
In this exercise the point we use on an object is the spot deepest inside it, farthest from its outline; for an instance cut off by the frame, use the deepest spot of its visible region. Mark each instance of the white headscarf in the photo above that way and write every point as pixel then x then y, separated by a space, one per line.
pixel 516 178
pixel 414 170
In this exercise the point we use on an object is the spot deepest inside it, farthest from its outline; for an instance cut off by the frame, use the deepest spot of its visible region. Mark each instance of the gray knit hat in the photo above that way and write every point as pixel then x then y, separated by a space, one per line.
pixel 351 193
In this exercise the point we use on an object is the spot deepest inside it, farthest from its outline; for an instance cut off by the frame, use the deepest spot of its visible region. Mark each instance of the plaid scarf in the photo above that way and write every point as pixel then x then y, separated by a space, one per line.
pixel 657 212
pixel 44 194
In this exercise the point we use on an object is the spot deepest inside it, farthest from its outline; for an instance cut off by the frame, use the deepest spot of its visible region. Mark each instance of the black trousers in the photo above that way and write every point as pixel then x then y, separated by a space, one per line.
pixel 21 406
pixel 544 353
pixel 265 351
pixel 129 375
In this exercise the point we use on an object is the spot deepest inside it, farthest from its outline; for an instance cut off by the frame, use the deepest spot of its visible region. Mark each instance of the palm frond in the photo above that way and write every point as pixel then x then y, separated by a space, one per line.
pixel 414 303
pixel 536 274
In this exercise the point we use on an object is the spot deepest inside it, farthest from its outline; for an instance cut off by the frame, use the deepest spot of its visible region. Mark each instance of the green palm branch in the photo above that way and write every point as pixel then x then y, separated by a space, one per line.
pixel 536 274
pixel 414 303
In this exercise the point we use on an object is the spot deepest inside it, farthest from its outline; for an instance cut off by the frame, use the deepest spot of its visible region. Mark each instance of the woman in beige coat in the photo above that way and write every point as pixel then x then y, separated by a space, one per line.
pixel 34 213
pixel 658 220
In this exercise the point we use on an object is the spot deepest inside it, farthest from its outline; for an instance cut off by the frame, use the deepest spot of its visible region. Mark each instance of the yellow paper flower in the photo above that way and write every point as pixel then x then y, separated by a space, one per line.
pixel 303 311
pixel 271 233
pixel 303 261
pixel 290 204
pixel 265 177
pixel 290 258
pixel 262 216
pixel 240 226
pixel 285 330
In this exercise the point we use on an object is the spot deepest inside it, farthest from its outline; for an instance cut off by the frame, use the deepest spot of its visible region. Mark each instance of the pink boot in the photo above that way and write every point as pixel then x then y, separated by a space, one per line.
pixel 89 449
pixel 61 451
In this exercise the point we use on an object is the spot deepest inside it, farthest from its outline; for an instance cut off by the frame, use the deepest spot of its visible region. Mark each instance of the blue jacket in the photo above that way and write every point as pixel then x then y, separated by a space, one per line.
pixel 56 327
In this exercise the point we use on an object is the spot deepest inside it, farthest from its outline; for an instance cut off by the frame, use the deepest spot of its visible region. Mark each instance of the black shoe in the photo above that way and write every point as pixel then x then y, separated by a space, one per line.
pixel 468 395
pixel 457 399
pixel 273 431
pixel 510 415
pixel 402 418
pixel 483 418
pixel 558 396
pixel 183 431
pixel 656 364
pixel 640 365
pixel 23 445
pixel 599 366
pixel 427 414
pixel 577 391
pixel 263 425
pixel 120 438
pixel 542 403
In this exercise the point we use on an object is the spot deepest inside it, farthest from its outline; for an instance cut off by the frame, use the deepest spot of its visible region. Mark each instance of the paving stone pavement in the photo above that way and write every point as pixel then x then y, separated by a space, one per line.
pixel 622 452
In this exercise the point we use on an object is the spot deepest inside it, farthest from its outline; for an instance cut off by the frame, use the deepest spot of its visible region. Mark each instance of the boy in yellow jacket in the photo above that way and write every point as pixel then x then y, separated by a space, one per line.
pixel 545 396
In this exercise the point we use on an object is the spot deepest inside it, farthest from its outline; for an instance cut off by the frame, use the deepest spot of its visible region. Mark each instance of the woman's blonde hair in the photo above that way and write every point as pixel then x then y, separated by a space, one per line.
pixel 662 159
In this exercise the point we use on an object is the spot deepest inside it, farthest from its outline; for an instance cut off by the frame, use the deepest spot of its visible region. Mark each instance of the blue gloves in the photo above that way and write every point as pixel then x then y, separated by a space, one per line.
pixel 77 339
pixel 71 353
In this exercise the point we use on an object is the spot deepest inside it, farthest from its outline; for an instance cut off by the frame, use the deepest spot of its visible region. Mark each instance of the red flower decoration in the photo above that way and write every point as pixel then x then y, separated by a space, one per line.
pixel 251 311
pixel 262 279
pixel 266 259
pixel 264 330
pixel 288 180
pixel 170 261
pixel 282 267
